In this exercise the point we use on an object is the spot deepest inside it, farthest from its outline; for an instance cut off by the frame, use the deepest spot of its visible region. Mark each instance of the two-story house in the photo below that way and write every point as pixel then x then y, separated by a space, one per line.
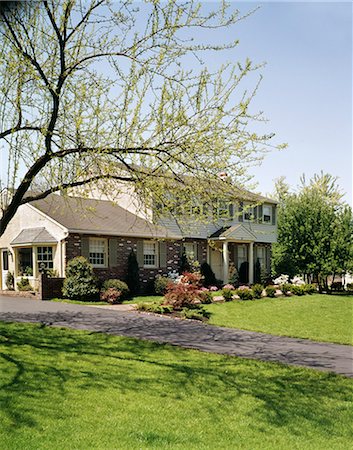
pixel 47 233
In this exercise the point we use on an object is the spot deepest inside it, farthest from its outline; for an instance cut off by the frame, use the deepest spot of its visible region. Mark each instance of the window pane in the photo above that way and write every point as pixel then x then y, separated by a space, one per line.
pixel 97 250
pixel 45 258
pixel 149 253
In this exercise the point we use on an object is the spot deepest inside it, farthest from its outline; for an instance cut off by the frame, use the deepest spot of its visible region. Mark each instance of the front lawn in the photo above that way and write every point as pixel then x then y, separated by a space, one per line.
pixel 66 389
pixel 133 300
pixel 326 318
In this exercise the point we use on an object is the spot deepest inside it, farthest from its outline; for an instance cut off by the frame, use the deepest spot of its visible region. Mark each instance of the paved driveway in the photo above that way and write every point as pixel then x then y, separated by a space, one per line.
pixel 185 333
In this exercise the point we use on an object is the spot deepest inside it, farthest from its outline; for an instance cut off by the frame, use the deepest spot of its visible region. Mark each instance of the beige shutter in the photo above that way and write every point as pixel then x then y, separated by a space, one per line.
pixel 260 214
pixel 240 215
pixel 85 247
pixel 113 252
pixel 162 254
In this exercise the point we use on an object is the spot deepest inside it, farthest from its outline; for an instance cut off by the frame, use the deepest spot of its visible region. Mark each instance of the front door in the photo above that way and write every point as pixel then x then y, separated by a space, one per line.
pixel 4 268
pixel 216 261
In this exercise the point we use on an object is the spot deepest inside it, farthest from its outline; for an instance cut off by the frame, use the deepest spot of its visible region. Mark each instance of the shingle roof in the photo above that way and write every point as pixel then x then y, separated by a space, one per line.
pixel 34 236
pixel 235 232
pixel 98 217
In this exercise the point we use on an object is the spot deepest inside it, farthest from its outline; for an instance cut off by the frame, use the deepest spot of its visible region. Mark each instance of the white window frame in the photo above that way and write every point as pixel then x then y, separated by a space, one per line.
pixel 244 257
pixel 269 208
pixel 147 265
pixel 92 242
pixel 262 260
pixel 39 261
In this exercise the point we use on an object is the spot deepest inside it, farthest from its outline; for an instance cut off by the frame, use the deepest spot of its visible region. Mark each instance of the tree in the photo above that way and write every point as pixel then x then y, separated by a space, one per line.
pixel 96 90
pixel 133 276
pixel 315 231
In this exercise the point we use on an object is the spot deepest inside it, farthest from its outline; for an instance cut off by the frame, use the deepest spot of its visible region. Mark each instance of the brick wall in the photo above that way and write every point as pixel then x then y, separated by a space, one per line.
pixel 124 247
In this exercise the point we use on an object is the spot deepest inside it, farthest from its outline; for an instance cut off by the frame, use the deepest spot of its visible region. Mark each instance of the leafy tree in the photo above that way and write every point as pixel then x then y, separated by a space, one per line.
pixel 100 90
pixel 314 232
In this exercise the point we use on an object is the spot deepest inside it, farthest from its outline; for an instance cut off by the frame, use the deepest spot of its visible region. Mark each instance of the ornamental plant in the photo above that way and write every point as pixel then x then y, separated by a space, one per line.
pixel 118 285
pixel 270 291
pixel 227 294
pixel 111 295
pixel 257 290
pixel 298 281
pixel 80 282
pixel 282 279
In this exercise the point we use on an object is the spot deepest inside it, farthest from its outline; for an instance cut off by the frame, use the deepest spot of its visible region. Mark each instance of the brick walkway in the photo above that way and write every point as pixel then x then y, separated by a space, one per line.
pixel 185 333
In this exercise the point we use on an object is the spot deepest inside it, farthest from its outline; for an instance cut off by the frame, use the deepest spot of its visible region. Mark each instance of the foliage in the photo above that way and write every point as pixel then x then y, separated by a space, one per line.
pixel 160 284
pixel 185 293
pixel 286 289
pixel 336 286
pixel 298 281
pixel 298 289
pixel 28 271
pixel 229 286
pixel 310 289
pixel 209 278
pixel 227 294
pixel 257 290
pixel 315 232
pixel 195 313
pixel 80 282
pixel 154 307
pixel 118 285
pixel 184 263
pixel 233 275
pixel 133 276
pixel 206 297
pixel 24 285
pixel 192 278
pixel 349 287
pixel 245 294
pixel 10 281
pixel 244 272
pixel 282 279
pixel 52 273
pixel 111 295
pixel 270 291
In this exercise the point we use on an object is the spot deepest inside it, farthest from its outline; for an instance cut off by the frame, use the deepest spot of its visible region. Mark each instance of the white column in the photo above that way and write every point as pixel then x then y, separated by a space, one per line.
pixel 225 262
pixel 251 263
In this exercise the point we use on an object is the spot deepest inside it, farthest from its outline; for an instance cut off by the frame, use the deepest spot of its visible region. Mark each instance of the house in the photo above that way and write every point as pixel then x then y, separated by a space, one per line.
pixel 46 234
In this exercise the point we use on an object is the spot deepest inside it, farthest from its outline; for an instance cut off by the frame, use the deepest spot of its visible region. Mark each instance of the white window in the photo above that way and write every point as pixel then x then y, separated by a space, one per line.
pixel 150 254
pixel 98 252
pixel 267 214
pixel 190 250
pixel 45 258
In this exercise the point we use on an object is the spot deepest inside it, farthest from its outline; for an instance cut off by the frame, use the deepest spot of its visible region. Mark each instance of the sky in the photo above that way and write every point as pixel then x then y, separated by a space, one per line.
pixel 306 92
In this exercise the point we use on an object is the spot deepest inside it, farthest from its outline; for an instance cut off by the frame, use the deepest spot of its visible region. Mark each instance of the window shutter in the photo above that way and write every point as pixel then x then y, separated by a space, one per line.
pixel 240 216
pixel 235 256
pixel 231 210
pixel 268 259
pixel 260 213
pixel 198 251
pixel 273 215
pixel 113 252
pixel 255 209
pixel 85 247
pixel 139 254
pixel 162 254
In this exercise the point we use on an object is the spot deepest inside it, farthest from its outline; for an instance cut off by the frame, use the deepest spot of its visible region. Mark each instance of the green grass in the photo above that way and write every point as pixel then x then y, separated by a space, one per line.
pixel 140 299
pixel 77 302
pixel 65 389
pixel 326 318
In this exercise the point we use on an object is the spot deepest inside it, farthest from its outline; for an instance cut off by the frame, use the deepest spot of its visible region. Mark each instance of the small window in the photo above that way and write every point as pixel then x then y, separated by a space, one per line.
pixel 44 258
pixel 248 213
pixel 150 254
pixel 222 209
pixel 267 214
pixel 98 252
pixel 261 256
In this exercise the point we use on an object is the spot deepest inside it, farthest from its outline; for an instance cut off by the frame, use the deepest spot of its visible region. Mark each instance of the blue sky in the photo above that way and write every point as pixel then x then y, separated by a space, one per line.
pixel 306 92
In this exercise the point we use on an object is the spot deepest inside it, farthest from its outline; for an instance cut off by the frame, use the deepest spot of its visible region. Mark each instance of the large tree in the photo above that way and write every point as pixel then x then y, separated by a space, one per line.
pixel 96 90
pixel 315 231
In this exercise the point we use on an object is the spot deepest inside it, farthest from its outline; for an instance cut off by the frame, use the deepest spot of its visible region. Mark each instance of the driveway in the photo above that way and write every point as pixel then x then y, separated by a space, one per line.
pixel 185 333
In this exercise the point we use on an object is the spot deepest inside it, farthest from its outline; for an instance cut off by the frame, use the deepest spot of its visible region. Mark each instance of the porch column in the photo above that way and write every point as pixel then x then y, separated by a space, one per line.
pixel 225 262
pixel 251 262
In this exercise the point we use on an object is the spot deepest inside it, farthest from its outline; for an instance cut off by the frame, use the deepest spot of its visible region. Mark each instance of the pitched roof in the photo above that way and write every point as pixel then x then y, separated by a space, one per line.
pixel 237 232
pixel 98 217
pixel 33 236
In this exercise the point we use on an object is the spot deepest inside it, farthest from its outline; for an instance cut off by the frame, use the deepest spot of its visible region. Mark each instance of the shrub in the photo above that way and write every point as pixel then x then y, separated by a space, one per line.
pixel 227 294
pixel 205 297
pixel 310 289
pixel 111 295
pixel 24 285
pixel 160 284
pixel 154 307
pixel 244 294
pixel 298 281
pixel 244 272
pixel 229 286
pixel 270 291
pixel 209 277
pixel 133 276
pixel 349 287
pixel 118 285
pixel 257 271
pixel 233 275
pixel 182 294
pixel 196 313
pixel 281 280
pixel 298 289
pixel 10 281
pixel 193 278
pixel 184 263
pixel 286 289
pixel 215 288
pixel 80 282
pixel 257 290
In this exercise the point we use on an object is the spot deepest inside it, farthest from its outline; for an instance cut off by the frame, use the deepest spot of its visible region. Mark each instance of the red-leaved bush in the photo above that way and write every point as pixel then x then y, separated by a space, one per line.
pixel 111 295
pixel 187 292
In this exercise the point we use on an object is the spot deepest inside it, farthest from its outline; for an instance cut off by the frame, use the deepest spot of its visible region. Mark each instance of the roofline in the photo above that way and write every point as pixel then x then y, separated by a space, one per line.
pixel 31 244
pixel 132 235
